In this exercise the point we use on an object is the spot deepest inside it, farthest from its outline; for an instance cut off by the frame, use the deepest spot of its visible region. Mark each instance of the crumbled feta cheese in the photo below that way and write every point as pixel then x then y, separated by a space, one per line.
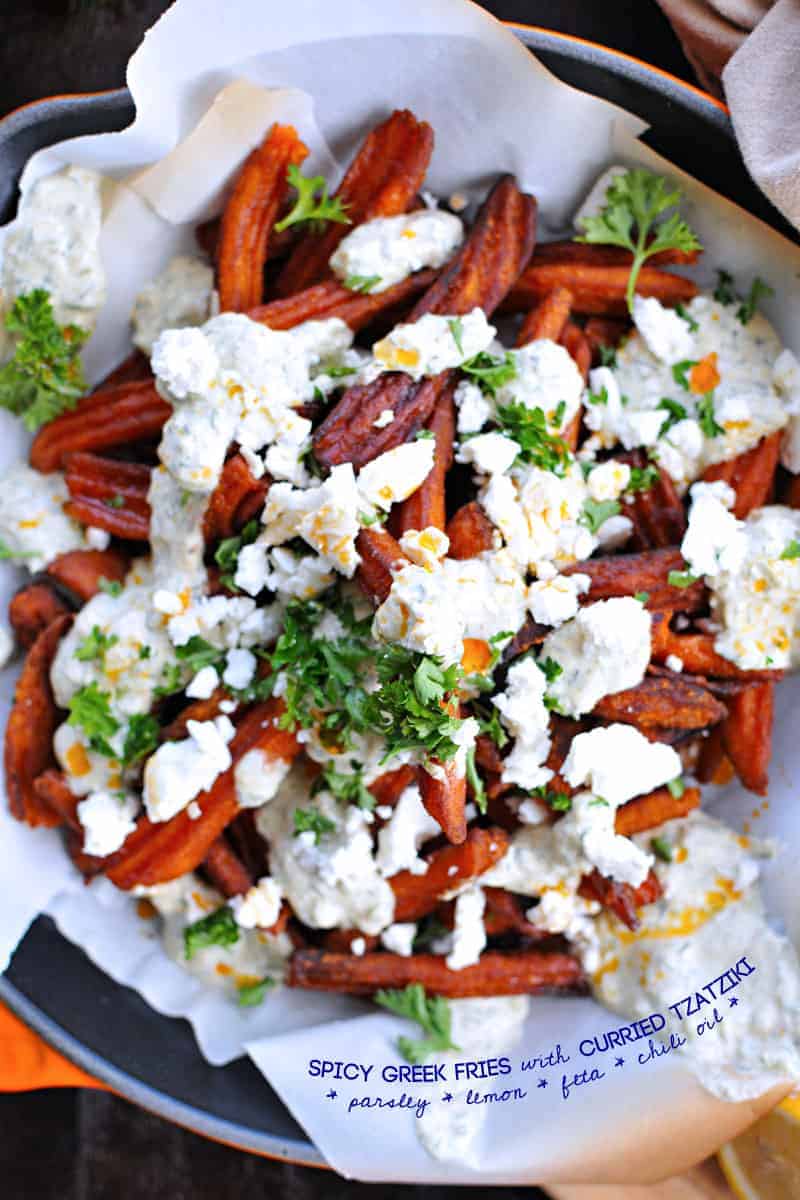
pixel 240 667
pixel 257 777
pixel 674 663
pixel 97 539
pixel 326 517
pixel 539 515
pixel 203 685
pixel 608 480
pixel 194 811
pixel 614 533
pixel 714 539
pixel 358 946
pixel 552 601
pixel 393 476
pixel 183 294
pixel 425 547
pixel 469 933
pixel 666 335
pixel 521 706
pixel 107 819
pixel 7 646
pixel 392 248
pixel 33 523
pixel 399 938
pixel 603 650
pixel 179 771
pixel 474 409
pixel 489 453
pixel 383 419
pixel 259 907
pixel 167 602
pixel 401 837
pixel 434 343
pixel 546 378
pixel 287 574
pixel 618 762
pixel 614 856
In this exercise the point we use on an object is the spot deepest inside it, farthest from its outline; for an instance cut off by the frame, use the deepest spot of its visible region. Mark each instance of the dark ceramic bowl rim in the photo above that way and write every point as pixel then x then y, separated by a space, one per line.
pixel 648 90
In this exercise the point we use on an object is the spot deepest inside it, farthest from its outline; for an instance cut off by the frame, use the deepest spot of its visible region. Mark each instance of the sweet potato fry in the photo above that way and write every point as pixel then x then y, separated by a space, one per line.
pixel 588 254
pixel 156 853
pixel 505 913
pixel 331 299
pixel 31 725
pixel 696 651
pixel 80 571
pixel 662 703
pixel 133 369
pixel 747 735
pixel 791 496
pixel 470 531
pixel 572 432
pixel 197 710
pixel 382 181
pixel 444 796
pixel 653 809
pixel 532 633
pixel 380 555
pixel 226 870
pixel 116 416
pixel 417 895
pixel 657 513
pixel 388 788
pixel 237 487
pixel 751 475
pixel 426 506
pixel 575 342
pixel 596 290
pixel 109 494
pixel 604 332
pixel 548 319
pixel 648 571
pixel 620 898
pixel 249 215
pixel 713 764
pixel 53 791
pixel 497 973
pixel 32 609
pixel 340 941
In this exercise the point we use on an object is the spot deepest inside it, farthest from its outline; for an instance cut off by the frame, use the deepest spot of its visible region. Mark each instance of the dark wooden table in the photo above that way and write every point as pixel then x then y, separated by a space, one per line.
pixel 70 1145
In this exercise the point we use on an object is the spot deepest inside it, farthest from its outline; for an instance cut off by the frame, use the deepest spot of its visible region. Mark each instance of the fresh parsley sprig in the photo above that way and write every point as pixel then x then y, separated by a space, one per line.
pixel 90 710
pixel 538 446
pixel 219 928
pixel 489 372
pixel 637 217
pixel 596 512
pixel 312 202
pixel 349 789
pixel 44 378
pixel 431 1013
pixel 311 820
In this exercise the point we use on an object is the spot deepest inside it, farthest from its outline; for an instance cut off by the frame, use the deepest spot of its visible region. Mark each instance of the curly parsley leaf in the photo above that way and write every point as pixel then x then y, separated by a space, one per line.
pixel 141 738
pixel 362 283
pixel 312 202
pixel 792 550
pixel 600 397
pixel 349 789
pixel 311 820
pixel 643 478
pixel 44 378
pixel 219 928
pixel 198 653
pixel 94 645
pixel 489 371
pixel 431 1013
pixel 596 512
pixel 410 707
pixel 636 216
pixel 538 446
pixel 90 710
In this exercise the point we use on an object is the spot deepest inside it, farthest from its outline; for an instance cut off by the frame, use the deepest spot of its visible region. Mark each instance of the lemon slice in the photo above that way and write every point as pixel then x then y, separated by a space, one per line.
pixel 763 1163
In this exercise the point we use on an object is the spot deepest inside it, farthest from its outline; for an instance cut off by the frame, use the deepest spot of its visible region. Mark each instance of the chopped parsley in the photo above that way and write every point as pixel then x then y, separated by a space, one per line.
pixel 539 447
pixel 643 478
pixel 456 327
pixel 608 356
pixel 6 552
pixel 250 995
pixel 724 292
pixel 676 787
pixel 600 397
pixel 431 1013
pixel 642 597
pixel 226 555
pixel 680 372
pixel 312 202
pixel 94 646
pixel 596 512
pixel 635 216
pixel 475 782
pixel 490 372
pixel 339 372
pixel 311 820
pixel 141 738
pixel 684 313
pixel 425 435
pixel 219 928
pixel 349 789
pixel 661 848
pixel 681 579
pixel 116 501
pixel 792 550
pixel 44 378
pixel 557 801
pixel 112 587
pixel 361 283
pixel 549 668
pixel 198 653
pixel 488 718
pixel 707 418
pixel 598 802
pixel 675 413
pixel 90 710
pixel 410 707
pixel 759 290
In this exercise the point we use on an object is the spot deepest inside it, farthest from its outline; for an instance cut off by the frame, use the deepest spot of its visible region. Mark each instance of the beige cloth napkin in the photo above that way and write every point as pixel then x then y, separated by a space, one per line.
pixel 750 49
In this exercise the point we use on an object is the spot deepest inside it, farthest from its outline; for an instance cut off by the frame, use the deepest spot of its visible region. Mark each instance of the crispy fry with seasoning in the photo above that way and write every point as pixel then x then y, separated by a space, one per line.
pixel 576 344
pixel 156 853
pixel 109 494
pixel 417 895
pixel 751 475
pixel 548 319
pixel 426 506
pixel 31 724
pixel 380 555
pixel 647 571
pixel 696 652
pixel 596 290
pixel 32 609
pixel 258 194
pixel 470 531
pixel 330 298
pixel 388 788
pixel 588 254
pixel 382 181
pixel 116 416
pixel 604 333
pixel 662 703
pixel 621 899
pixel 444 796
pixel 747 735
pixel 226 870
pixel 238 492
pixel 497 973
pixel 82 571
pixel 653 809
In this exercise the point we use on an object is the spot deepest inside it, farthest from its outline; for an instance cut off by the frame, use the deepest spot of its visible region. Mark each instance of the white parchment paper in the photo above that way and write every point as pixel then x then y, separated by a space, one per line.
pixel 207 82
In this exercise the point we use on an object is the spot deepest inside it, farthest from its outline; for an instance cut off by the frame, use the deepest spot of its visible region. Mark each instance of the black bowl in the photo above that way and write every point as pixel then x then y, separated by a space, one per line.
pixel 106 1029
